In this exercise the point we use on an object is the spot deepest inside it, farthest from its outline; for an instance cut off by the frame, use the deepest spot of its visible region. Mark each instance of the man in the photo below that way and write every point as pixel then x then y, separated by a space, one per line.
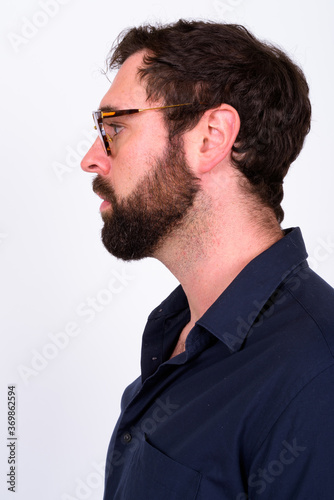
pixel 235 398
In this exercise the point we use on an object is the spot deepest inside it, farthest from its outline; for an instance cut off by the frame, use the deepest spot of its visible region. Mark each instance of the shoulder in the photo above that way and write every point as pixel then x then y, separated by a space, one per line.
pixel 313 301
pixel 296 453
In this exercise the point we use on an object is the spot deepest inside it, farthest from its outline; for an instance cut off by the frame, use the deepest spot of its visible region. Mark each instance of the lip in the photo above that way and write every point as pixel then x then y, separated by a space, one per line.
pixel 105 204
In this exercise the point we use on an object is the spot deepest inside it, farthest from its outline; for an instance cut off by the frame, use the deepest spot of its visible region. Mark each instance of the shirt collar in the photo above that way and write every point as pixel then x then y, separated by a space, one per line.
pixel 238 306
pixel 241 302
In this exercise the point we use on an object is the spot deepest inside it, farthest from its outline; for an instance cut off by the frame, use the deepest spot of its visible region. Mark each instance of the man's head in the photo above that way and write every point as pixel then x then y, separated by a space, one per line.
pixel 208 64
pixel 233 101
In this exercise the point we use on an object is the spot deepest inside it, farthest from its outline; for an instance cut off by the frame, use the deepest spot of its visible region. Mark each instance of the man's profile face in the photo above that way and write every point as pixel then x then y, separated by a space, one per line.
pixel 146 184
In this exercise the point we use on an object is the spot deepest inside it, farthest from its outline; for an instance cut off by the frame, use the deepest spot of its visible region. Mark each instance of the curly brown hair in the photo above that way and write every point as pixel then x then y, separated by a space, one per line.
pixel 211 63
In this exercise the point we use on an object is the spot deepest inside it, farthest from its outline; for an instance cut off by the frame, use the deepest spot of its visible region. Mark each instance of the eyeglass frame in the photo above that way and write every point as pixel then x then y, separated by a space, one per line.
pixel 99 115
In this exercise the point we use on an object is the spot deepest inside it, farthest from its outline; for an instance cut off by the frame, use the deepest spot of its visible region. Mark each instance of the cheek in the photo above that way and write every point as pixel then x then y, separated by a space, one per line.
pixel 130 165
pixel 136 155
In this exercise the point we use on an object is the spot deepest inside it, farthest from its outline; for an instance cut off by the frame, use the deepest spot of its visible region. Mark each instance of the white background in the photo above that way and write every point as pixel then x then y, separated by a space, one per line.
pixel 51 259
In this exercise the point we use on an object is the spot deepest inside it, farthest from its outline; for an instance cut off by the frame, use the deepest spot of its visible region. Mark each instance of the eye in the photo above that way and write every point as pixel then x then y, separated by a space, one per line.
pixel 112 129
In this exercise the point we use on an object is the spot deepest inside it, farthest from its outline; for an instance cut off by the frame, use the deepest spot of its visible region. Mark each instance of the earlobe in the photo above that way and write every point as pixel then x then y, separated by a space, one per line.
pixel 220 130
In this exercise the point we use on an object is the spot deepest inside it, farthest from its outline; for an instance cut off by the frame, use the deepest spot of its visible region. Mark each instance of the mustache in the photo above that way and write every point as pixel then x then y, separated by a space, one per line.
pixel 103 189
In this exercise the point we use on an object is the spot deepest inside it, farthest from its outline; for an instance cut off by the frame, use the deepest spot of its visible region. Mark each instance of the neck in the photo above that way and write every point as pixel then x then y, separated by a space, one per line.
pixel 209 253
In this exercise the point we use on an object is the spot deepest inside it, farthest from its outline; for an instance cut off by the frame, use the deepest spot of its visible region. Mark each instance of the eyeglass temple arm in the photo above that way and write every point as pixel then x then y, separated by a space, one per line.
pixel 132 111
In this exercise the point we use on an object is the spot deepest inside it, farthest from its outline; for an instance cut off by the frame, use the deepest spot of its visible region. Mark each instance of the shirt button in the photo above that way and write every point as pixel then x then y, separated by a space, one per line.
pixel 127 438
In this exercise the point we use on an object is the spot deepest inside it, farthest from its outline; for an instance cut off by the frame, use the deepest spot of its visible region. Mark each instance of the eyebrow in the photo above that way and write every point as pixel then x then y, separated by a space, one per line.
pixel 109 109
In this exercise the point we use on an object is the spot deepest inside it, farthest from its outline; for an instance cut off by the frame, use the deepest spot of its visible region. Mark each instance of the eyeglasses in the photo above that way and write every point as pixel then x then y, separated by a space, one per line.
pixel 105 130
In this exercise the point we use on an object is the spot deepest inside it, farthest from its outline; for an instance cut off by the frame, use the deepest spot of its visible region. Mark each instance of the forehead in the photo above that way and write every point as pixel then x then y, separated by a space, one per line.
pixel 126 90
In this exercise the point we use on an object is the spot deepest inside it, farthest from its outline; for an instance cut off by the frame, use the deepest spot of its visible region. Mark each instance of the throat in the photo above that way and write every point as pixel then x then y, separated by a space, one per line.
pixel 181 343
pixel 179 348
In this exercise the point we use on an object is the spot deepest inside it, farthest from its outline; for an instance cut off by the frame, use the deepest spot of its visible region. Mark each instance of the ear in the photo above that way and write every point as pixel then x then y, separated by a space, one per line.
pixel 216 133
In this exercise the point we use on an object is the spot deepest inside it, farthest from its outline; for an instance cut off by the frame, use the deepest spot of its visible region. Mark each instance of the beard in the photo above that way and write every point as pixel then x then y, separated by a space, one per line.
pixel 135 227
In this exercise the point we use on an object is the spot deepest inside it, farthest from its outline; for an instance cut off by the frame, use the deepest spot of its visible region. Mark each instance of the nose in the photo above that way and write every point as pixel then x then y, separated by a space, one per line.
pixel 96 160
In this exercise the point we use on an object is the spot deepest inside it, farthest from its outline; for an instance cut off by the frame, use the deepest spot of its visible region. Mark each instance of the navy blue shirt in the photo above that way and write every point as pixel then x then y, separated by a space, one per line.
pixel 247 411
